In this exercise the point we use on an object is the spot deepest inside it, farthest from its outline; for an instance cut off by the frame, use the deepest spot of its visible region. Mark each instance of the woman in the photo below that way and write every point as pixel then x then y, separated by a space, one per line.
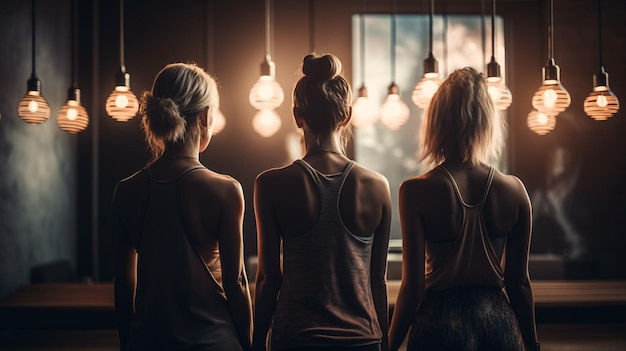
pixel 466 232
pixel 332 218
pixel 180 281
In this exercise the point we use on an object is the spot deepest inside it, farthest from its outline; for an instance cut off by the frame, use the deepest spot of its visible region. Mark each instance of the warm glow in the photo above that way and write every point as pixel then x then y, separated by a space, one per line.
pixel 494 92
pixel 394 112
pixel 266 123
pixel 426 89
pixel 601 104
pixel 73 117
pixel 33 108
pixel 602 101
pixel 122 104
pixel 219 121
pixel 540 123
pixel 266 93
pixel 551 98
pixel 500 94
pixel 364 113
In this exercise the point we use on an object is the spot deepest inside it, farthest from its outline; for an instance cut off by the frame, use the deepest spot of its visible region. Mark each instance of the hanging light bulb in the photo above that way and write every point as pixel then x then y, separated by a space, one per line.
pixel 219 121
pixel 33 108
pixel 430 82
pixel 551 98
pixel 73 117
pixel 540 123
pixel 601 103
pixel 266 94
pixel 394 112
pixel 364 112
pixel 498 91
pixel 266 123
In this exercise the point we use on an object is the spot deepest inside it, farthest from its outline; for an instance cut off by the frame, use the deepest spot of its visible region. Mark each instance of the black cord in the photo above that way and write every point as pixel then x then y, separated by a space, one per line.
pixel 493 29
pixel 362 46
pixel 73 42
pixel 122 65
pixel 33 37
pixel 312 26
pixel 600 31
pixel 430 35
pixel 267 28
pixel 551 31
pixel 393 42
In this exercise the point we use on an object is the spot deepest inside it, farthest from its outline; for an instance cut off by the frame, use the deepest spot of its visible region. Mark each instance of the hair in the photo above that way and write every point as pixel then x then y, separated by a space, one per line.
pixel 169 112
pixel 322 97
pixel 461 121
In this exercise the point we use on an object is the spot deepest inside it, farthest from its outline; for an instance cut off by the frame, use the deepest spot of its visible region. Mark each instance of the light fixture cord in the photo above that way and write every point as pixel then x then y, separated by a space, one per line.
pixel 210 36
pixel 600 31
pixel 430 35
pixel 122 65
pixel 493 29
pixel 551 31
pixel 393 42
pixel 312 26
pixel 73 40
pixel 33 36
pixel 267 28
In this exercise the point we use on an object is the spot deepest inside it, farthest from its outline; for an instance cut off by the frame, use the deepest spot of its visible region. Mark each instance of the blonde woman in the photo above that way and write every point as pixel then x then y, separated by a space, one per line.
pixel 466 231
pixel 180 281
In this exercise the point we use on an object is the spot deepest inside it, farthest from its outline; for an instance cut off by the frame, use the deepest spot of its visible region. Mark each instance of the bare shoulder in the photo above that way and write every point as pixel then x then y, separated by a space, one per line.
pixel 277 176
pixel 214 185
pixel 509 184
pixel 130 186
pixel 424 183
pixel 369 176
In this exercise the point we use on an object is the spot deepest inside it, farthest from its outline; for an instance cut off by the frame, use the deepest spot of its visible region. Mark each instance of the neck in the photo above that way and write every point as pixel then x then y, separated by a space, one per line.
pixel 182 151
pixel 320 144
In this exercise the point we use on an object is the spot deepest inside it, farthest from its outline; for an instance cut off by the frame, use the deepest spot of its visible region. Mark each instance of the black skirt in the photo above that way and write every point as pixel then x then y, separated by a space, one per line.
pixel 465 319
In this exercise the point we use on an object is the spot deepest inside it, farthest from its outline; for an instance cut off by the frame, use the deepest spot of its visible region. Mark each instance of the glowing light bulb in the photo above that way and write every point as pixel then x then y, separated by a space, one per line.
pixel 266 93
pixel 540 122
pixel 364 112
pixel 33 106
pixel 72 113
pixel 549 98
pixel 121 101
pixel 266 123
pixel 219 121
pixel 122 104
pixel 426 89
pixel 602 101
pixel 394 112
pixel 494 92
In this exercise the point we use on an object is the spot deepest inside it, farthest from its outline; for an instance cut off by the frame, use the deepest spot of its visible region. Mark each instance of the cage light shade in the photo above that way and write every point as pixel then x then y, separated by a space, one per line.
pixel 266 93
pixel 394 112
pixel 122 104
pixel 540 122
pixel 551 98
pixel 266 123
pixel 601 103
pixel 219 121
pixel 499 93
pixel 33 108
pixel 364 113
pixel 425 89
pixel 73 117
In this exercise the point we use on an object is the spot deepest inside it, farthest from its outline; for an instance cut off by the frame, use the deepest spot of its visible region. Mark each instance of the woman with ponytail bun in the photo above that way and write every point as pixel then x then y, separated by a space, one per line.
pixel 323 227
pixel 179 274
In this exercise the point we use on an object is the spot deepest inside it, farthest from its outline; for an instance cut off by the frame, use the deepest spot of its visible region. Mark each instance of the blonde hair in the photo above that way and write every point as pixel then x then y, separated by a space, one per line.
pixel 322 97
pixel 169 112
pixel 461 121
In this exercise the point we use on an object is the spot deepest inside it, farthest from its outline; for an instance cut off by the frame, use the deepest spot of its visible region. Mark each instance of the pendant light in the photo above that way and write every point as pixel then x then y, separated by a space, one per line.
pixel 266 94
pixel 394 112
pixel 498 91
pixel 219 121
pixel 364 113
pixel 428 85
pixel 73 117
pixel 33 108
pixel 551 98
pixel 540 123
pixel 601 103
pixel 122 104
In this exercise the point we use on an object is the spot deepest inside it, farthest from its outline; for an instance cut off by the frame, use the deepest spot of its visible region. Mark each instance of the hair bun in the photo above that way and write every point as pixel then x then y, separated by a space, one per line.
pixel 321 68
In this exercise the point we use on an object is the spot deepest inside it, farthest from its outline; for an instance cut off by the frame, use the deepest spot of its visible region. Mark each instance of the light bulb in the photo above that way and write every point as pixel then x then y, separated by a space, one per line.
pixel 394 112
pixel 551 98
pixel 426 89
pixel 266 93
pixel 33 108
pixel 122 104
pixel 73 117
pixel 364 112
pixel 540 122
pixel 601 104
pixel 266 123
pixel 499 93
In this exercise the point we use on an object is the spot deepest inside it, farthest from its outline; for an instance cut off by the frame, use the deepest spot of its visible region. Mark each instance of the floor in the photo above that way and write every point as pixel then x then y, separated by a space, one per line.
pixel 553 337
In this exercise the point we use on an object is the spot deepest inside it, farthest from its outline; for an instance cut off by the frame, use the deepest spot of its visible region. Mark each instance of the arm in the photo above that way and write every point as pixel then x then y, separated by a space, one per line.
pixel 269 276
pixel 516 278
pixel 234 279
pixel 124 272
pixel 412 286
pixel 378 270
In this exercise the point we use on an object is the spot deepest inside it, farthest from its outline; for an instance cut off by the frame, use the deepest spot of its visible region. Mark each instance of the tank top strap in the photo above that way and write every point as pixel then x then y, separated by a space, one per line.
pixel 457 191
pixel 488 185
pixel 184 173
pixel 317 176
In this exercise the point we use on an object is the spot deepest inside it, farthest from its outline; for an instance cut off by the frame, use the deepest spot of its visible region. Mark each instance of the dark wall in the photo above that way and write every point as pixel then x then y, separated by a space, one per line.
pixel 227 37
pixel 38 166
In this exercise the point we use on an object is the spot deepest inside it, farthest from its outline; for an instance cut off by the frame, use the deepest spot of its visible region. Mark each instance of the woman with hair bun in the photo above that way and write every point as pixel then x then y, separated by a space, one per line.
pixel 180 280
pixel 323 227
pixel 466 233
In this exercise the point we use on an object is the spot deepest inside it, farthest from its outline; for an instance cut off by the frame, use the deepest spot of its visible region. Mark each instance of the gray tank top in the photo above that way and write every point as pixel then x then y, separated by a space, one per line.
pixel 179 304
pixel 325 297
pixel 473 258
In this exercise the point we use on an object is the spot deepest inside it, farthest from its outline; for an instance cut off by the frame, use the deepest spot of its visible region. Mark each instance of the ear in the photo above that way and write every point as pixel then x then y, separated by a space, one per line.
pixel 299 120
pixel 206 118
